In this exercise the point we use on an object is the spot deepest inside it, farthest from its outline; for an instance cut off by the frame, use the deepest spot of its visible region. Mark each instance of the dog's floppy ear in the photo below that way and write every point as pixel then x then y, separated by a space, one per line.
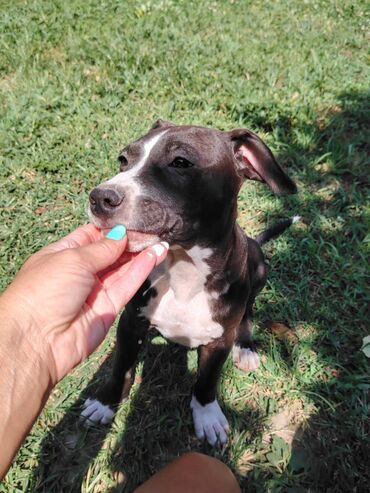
pixel 162 123
pixel 255 161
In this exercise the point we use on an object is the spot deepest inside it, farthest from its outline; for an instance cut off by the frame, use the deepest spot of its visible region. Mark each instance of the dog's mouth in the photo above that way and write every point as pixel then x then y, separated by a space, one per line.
pixel 137 240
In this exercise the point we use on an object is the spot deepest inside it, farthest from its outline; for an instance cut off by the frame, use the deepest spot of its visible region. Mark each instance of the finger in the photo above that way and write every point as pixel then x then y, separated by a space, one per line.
pixel 105 252
pixel 112 295
pixel 110 275
pixel 124 259
pixel 125 286
pixel 119 269
pixel 84 235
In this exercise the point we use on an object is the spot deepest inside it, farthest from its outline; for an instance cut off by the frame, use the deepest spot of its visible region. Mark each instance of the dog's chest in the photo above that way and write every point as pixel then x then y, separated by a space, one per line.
pixel 182 310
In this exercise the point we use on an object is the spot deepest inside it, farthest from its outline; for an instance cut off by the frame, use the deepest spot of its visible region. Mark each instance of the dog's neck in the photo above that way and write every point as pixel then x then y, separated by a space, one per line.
pixel 187 271
pixel 214 267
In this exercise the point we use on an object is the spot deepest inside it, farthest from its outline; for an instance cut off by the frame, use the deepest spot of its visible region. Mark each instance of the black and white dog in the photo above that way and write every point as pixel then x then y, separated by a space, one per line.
pixel 179 184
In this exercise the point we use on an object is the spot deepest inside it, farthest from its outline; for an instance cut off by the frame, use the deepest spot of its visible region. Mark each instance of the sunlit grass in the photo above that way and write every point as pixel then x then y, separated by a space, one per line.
pixel 78 80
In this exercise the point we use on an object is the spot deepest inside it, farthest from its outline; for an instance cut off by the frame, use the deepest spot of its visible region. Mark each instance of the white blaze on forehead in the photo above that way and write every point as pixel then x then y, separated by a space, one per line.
pixel 133 190
pixel 127 178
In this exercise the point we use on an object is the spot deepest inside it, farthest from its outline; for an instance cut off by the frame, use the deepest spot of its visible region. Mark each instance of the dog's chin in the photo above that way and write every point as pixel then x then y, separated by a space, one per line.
pixel 137 241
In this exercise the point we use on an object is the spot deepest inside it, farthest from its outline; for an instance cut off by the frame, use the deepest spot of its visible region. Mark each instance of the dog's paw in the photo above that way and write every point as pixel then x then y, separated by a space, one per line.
pixel 209 421
pixel 95 412
pixel 245 358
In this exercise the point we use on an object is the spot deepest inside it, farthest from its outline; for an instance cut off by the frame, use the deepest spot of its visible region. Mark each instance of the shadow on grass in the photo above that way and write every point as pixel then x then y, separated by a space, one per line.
pixel 331 156
pixel 69 447
pixel 157 429
pixel 328 149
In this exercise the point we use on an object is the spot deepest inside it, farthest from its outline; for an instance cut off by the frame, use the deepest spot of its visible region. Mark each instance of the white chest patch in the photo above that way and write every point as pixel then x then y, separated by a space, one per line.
pixel 181 311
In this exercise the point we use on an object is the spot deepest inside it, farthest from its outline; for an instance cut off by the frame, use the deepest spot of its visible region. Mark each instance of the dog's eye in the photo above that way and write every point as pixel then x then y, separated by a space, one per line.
pixel 122 161
pixel 181 162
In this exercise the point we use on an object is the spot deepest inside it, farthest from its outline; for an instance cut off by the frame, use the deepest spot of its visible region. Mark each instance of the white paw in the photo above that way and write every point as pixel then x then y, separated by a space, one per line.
pixel 209 421
pixel 245 358
pixel 96 412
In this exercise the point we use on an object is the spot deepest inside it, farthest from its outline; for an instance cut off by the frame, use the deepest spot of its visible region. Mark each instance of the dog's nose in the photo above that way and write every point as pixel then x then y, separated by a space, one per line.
pixel 105 200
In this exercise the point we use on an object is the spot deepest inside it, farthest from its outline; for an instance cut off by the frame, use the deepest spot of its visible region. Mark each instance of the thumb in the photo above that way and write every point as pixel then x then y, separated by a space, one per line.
pixel 103 253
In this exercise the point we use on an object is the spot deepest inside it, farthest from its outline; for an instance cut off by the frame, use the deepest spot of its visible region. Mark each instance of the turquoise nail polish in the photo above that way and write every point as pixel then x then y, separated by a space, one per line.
pixel 117 233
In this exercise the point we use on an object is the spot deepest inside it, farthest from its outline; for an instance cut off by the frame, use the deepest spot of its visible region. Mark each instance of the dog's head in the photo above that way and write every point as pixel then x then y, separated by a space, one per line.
pixel 180 184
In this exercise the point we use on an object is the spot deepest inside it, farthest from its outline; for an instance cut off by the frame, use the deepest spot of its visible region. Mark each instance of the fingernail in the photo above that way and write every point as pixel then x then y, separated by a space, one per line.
pixel 117 233
pixel 160 248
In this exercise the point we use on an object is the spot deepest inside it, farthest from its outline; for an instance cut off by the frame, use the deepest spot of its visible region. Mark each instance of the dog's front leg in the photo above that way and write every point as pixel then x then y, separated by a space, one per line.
pixel 209 420
pixel 131 333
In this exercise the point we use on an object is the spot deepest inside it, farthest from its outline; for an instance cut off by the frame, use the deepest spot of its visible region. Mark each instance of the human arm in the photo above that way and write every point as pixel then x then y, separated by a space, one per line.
pixel 54 314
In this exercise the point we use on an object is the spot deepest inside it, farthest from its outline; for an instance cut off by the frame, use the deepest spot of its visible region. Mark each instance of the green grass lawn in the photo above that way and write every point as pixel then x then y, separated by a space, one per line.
pixel 78 80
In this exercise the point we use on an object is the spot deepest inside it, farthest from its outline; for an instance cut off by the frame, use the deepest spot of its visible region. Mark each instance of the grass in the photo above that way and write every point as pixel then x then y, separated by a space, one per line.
pixel 78 80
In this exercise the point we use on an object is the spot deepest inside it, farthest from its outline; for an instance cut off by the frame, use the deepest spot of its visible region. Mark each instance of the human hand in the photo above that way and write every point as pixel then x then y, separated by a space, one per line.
pixel 67 295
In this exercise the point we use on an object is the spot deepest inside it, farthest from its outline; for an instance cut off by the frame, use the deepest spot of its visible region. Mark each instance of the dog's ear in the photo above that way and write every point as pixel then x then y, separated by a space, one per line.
pixel 255 161
pixel 162 124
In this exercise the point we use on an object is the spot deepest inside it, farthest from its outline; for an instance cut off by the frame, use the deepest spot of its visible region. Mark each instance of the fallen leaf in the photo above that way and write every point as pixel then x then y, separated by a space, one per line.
pixel 366 346
pixel 40 211
pixel 119 478
pixel 282 331
pixel 245 462
pixel 278 328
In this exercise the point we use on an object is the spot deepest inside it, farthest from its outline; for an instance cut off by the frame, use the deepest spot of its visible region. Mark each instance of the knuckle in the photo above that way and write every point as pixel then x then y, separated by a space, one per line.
pixel 105 249
pixel 71 255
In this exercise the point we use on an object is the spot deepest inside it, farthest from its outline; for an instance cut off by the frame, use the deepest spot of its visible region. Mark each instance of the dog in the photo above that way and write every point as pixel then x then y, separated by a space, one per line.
pixel 180 184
